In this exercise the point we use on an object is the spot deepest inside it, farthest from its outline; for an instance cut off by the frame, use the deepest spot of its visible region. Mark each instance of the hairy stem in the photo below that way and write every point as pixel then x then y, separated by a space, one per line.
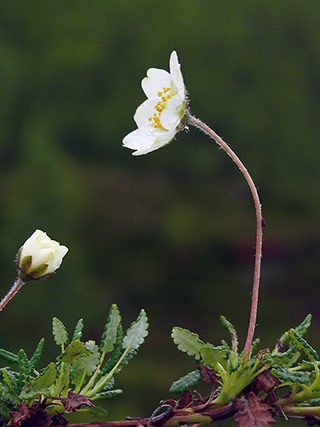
pixel 259 219
pixel 13 291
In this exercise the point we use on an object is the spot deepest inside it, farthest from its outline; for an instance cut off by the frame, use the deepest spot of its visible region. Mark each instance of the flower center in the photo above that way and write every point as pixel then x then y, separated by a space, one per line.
pixel 165 94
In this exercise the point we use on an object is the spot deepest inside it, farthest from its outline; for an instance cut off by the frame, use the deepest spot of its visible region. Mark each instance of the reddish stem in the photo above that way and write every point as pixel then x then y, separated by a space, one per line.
pixel 259 219
pixel 13 291
pixel 190 416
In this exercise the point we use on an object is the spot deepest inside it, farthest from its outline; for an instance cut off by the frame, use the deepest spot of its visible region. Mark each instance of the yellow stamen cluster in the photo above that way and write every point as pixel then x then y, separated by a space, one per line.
pixel 164 95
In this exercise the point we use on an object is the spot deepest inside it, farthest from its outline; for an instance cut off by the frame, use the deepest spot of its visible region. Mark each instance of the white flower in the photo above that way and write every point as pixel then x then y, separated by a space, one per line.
pixel 158 118
pixel 40 255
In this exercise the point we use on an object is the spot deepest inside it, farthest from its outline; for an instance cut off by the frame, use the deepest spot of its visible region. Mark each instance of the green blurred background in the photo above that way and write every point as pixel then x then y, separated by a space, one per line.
pixel 172 231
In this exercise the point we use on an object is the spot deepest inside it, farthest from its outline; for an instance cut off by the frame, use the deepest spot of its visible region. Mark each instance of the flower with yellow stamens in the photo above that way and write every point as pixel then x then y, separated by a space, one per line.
pixel 159 117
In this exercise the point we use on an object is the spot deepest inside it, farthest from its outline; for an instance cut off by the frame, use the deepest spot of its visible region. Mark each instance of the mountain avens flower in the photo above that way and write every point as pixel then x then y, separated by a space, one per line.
pixel 40 256
pixel 159 118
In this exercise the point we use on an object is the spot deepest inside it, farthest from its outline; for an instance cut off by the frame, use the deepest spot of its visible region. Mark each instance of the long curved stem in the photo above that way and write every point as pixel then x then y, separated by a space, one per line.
pixel 13 291
pixel 258 252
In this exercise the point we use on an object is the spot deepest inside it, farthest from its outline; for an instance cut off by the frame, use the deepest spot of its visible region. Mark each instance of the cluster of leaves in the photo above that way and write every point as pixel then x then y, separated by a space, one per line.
pixel 262 384
pixel 83 371
pixel 233 370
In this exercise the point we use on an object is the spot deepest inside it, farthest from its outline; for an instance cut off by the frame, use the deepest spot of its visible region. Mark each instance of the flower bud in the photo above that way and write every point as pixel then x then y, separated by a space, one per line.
pixel 40 256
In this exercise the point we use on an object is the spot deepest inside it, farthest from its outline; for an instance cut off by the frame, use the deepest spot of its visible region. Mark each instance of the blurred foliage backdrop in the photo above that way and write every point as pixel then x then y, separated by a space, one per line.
pixel 173 231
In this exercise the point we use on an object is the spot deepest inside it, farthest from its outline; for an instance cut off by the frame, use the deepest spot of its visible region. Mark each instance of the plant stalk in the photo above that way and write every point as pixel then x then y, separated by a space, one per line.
pixel 259 224
pixel 187 416
pixel 13 291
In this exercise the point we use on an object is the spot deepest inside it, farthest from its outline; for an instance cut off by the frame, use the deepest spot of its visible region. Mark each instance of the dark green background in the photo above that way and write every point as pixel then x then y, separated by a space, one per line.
pixel 172 231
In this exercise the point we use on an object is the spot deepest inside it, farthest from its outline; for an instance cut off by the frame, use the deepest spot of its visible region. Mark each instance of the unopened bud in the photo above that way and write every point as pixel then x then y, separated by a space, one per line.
pixel 40 256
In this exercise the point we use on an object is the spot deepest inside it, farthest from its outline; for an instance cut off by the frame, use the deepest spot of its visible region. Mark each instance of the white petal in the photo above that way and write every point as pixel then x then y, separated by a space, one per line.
pixel 171 116
pixel 144 111
pixel 154 82
pixel 139 139
pixel 33 243
pixel 54 263
pixel 163 139
pixel 176 75
pixel 63 250
pixel 43 256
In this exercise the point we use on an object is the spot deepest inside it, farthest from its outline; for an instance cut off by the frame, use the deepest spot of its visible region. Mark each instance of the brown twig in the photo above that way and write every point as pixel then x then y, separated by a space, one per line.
pixel 179 416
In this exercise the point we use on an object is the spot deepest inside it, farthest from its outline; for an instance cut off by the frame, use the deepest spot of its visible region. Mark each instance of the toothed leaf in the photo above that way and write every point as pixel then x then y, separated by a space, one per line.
pixel 8 356
pixel 187 341
pixel 300 329
pixel 109 335
pixel 304 325
pixel 211 355
pixel 108 394
pixel 59 332
pixel 136 333
pixel 37 354
pixel 9 379
pixel 186 382
pixel 255 345
pixel 78 330
pixel 117 351
pixel 85 365
pixel 24 367
pixel 44 380
pixel 302 345
pixel 75 348
pixel 286 359
pixel 300 377
pixel 232 331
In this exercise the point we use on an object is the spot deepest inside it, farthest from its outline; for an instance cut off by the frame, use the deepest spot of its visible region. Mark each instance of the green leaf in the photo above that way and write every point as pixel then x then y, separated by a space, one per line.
pixel 130 355
pixel 8 356
pixel 136 333
pixel 45 379
pixel 9 379
pixel 59 332
pixel 300 329
pixel 107 394
pixel 300 377
pixel 286 359
pixel 211 355
pixel 234 337
pixel 186 382
pixel 255 345
pixel 85 365
pixel 304 325
pixel 302 345
pixel 314 402
pixel 109 334
pixel 187 341
pixel 74 349
pixel 225 345
pixel 61 380
pixel 117 351
pixel 37 354
pixel 24 368
pixel 78 330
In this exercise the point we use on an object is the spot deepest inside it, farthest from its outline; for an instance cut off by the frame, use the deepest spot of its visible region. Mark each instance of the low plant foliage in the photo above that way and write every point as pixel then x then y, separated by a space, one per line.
pixel 83 372
pixel 260 386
